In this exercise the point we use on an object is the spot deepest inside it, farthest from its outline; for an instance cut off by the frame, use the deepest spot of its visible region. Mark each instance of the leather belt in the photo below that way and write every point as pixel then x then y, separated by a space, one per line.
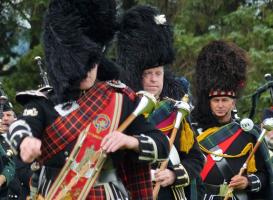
pixel 223 166
pixel 227 174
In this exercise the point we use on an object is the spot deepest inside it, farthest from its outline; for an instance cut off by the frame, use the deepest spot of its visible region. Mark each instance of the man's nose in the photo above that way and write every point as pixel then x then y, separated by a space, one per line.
pixel 220 104
pixel 153 77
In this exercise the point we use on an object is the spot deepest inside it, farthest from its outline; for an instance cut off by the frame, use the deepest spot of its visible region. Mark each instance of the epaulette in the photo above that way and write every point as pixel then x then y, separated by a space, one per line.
pixel 25 96
pixel 116 84
pixel 46 89
pixel 123 88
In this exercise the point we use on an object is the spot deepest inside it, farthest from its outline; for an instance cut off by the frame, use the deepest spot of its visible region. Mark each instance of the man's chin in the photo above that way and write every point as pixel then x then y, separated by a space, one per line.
pixel 220 114
pixel 151 91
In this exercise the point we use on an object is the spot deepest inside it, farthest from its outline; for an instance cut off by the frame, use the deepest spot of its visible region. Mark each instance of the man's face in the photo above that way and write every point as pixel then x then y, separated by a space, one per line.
pixel 153 80
pixel 221 107
pixel 7 119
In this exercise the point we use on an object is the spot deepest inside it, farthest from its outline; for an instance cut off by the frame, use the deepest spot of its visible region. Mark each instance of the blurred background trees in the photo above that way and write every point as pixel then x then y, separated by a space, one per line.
pixel 248 23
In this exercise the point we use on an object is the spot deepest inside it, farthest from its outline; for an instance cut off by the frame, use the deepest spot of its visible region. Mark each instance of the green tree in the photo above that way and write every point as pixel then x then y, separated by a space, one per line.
pixel 21 23
pixel 248 26
pixel 195 23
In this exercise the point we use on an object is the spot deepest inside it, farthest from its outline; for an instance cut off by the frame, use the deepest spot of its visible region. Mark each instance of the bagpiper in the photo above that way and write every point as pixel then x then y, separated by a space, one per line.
pixel 220 77
pixel 145 51
pixel 7 165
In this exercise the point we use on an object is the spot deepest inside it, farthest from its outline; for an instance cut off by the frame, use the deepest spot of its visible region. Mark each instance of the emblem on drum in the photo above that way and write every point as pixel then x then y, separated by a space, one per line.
pixel 101 122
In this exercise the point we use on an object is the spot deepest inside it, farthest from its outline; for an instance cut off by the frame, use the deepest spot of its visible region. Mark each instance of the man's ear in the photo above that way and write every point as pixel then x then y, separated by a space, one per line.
pixel 233 104
pixel 14 115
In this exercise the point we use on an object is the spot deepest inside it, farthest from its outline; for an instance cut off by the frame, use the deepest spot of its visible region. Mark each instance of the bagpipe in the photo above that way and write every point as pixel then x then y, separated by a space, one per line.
pixel 4 100
pixel 43 74
pixel 267 127
pixel 267 124
pixel 256 95
pixel 183 109
pixel 44 88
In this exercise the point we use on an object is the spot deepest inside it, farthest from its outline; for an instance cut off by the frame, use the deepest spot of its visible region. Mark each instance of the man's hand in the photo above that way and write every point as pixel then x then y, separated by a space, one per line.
pixel 30 149
pixel 2 180
pixel 165 177
pixel 238 182
pixel 117 140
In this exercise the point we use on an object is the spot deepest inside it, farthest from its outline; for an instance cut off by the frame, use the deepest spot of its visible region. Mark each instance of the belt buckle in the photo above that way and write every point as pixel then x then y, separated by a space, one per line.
pixel 217 158
pixel 224 189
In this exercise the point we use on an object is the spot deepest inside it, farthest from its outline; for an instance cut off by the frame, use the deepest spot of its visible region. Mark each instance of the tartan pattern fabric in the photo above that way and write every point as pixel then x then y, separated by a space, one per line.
pixel 65 129
pixel 100 193
pixel 129 92
pixel 137 179
pixel 219 136
pixel 163 111
pixel 135 176
pixel 97 193
pixel 227 132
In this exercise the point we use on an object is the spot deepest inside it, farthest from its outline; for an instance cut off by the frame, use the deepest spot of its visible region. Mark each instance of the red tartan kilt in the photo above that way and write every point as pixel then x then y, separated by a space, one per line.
pixel 97 193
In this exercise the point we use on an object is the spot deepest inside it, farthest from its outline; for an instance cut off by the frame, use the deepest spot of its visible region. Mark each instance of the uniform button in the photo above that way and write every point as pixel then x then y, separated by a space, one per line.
pixel 66 153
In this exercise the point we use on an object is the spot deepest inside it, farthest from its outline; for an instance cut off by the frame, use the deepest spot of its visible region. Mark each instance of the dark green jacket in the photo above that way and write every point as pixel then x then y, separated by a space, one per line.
pixel 7 167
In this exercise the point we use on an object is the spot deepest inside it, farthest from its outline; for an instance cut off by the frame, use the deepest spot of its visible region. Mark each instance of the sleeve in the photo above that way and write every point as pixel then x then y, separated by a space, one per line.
pixel 153 144
pixel 258 180
pixel 31 123
pixel 8 168
pixel 182 176
pixel 254 183
pixel 190 165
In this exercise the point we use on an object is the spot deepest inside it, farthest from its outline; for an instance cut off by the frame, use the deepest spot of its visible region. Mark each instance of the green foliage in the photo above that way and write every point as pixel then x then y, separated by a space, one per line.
pixel 195 24
pixel 198 22
pixel 25 77
pixel 261 64
pixel 249 27
pixel 21 23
